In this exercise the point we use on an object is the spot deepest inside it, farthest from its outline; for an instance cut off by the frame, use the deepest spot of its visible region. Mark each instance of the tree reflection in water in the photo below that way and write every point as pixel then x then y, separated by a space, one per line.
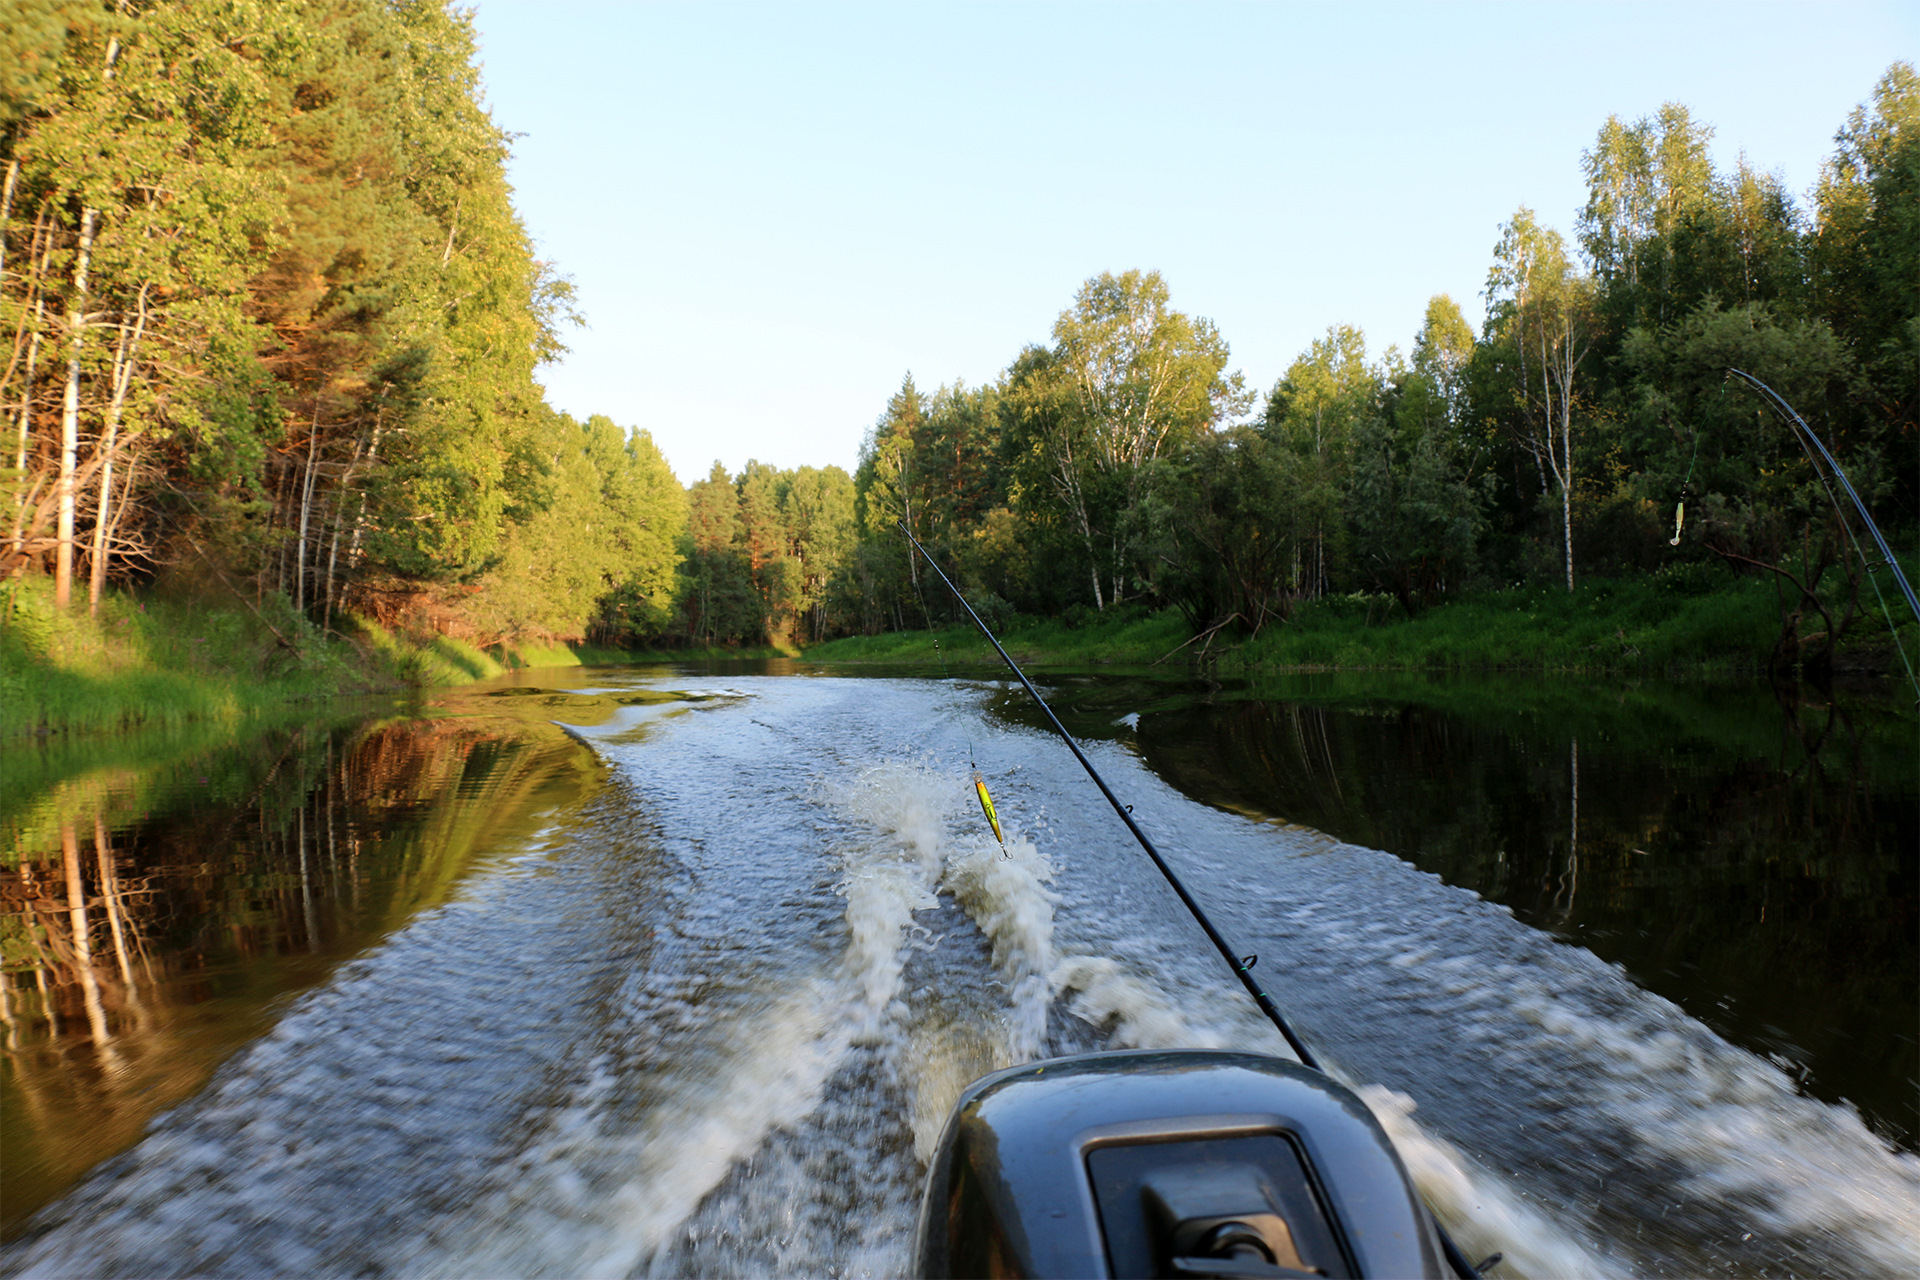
pixel 154 919
pixel 1750 858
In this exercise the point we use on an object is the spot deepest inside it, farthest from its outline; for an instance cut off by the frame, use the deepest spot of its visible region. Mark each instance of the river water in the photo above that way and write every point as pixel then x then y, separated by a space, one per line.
pixel 691 991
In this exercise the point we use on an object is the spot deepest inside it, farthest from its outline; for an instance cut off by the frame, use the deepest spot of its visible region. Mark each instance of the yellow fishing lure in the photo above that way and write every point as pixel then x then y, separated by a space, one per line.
pixel 986 807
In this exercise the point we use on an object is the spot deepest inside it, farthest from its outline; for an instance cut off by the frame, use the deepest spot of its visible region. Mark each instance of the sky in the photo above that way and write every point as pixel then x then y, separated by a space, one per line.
pixel 772 214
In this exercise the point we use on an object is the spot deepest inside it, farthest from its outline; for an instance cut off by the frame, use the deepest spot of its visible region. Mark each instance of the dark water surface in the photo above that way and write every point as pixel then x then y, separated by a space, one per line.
pixel 1629 972
pixel 1752 856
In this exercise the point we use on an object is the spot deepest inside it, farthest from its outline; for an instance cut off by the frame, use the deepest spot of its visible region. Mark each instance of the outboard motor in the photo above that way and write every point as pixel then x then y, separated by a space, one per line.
pixel 1154 1163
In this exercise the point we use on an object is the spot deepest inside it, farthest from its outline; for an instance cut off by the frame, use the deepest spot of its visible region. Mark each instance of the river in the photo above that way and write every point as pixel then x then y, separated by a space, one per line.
pixel 1628 973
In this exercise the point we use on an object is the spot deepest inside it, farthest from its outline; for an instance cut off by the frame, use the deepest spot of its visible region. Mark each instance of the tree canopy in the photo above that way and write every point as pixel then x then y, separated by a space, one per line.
pixel 274 325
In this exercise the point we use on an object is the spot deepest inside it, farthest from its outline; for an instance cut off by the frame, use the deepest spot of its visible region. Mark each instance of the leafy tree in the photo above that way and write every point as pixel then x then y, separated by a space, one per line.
pixel 1414 516
pixel 1236 530
pixel 1865 258
pixel 1753 497
pixel 598 554
pixel 718 602
pixel 889 488
pixel 1141 377
pixel 1325 394
pixel 127 170
pixel 1644 179
pixel 1441 352
pixel 817 513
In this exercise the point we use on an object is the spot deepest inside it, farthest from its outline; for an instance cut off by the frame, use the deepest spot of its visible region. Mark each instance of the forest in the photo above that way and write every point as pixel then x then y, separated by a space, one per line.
pixel 274 331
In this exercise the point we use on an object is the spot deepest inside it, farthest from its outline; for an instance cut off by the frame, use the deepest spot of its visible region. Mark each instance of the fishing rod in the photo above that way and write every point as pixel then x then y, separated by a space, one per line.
pixel 1242 965
pixel 1778 404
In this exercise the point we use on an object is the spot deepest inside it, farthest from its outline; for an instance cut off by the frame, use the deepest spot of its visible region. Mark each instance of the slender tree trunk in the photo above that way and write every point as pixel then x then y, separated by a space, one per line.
pixel 70 416
pixel 26 419
pixel 306 508
pixel 339 508
pixel 282 504
pixel 6 211
pixel 333 556
pixel 1093 564
pixel 1566 486
pixel 1086 536
pixel 124 356
pixel 97 559
pixel 360 514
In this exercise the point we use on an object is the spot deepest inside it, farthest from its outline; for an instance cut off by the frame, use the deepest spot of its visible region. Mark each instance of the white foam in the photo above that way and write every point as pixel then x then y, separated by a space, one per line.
pixel 1006 895
pixel 1481 1211
pixel 1794 1164
pixel 598 1198
pixel 1142 1016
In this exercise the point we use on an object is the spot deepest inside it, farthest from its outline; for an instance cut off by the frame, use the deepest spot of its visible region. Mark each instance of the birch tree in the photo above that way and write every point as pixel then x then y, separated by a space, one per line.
pixel 1141 376
pixel 1324 396
pixel 1543 311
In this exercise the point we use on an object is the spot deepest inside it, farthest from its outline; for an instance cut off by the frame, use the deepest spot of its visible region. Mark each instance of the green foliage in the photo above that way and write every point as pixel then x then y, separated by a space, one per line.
pixel 1689 619
pixel 1235 529
pixel 303 316
pixel 1123 636
pixel 598 551
pixel 275 326
pixel 761 554
pixel 1605 625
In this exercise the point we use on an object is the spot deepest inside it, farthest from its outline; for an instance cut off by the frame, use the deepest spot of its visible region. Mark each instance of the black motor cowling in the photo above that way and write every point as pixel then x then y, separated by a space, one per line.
pixel 1169 1163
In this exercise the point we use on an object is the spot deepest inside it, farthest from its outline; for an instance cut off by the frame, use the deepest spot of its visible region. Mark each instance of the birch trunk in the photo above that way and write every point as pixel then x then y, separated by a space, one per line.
pixel 6 211
pixel 70 416
pixel 123 362
pixel 26 421
pixel 339 512
pixel 306 508
pixel 360 515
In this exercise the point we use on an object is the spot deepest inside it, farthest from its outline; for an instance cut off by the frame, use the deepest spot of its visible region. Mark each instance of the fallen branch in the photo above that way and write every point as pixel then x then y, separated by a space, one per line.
pixel 1203 635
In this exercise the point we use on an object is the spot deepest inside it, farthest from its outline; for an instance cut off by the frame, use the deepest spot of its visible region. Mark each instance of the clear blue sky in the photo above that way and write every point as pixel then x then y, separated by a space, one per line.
pixel 774 212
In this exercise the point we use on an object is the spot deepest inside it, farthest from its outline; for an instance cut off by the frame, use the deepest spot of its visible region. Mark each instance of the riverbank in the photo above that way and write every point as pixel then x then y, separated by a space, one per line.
pixel 1691 621
pixel 154 660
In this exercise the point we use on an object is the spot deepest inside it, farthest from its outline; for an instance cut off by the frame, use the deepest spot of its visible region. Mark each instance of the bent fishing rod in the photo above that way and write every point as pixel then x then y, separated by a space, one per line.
pixel 1779 405
pixel 1242 966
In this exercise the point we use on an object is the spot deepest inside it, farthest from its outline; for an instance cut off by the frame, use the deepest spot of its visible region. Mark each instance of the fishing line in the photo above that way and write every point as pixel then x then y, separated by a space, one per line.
pixel 1242 966
pixel 979 779
pixel 1680 508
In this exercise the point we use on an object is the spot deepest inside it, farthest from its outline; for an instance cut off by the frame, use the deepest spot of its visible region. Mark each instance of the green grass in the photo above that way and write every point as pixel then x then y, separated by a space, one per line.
pixel 158 661
pixel 1128 637
pixel 1694 620
pixel 154 660
pixel 1646 624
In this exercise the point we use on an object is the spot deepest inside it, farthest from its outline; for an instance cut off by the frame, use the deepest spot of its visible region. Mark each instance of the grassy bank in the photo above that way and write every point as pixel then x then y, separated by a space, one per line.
pixel 1125 638
pixel 155 660
pixel 1695 620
